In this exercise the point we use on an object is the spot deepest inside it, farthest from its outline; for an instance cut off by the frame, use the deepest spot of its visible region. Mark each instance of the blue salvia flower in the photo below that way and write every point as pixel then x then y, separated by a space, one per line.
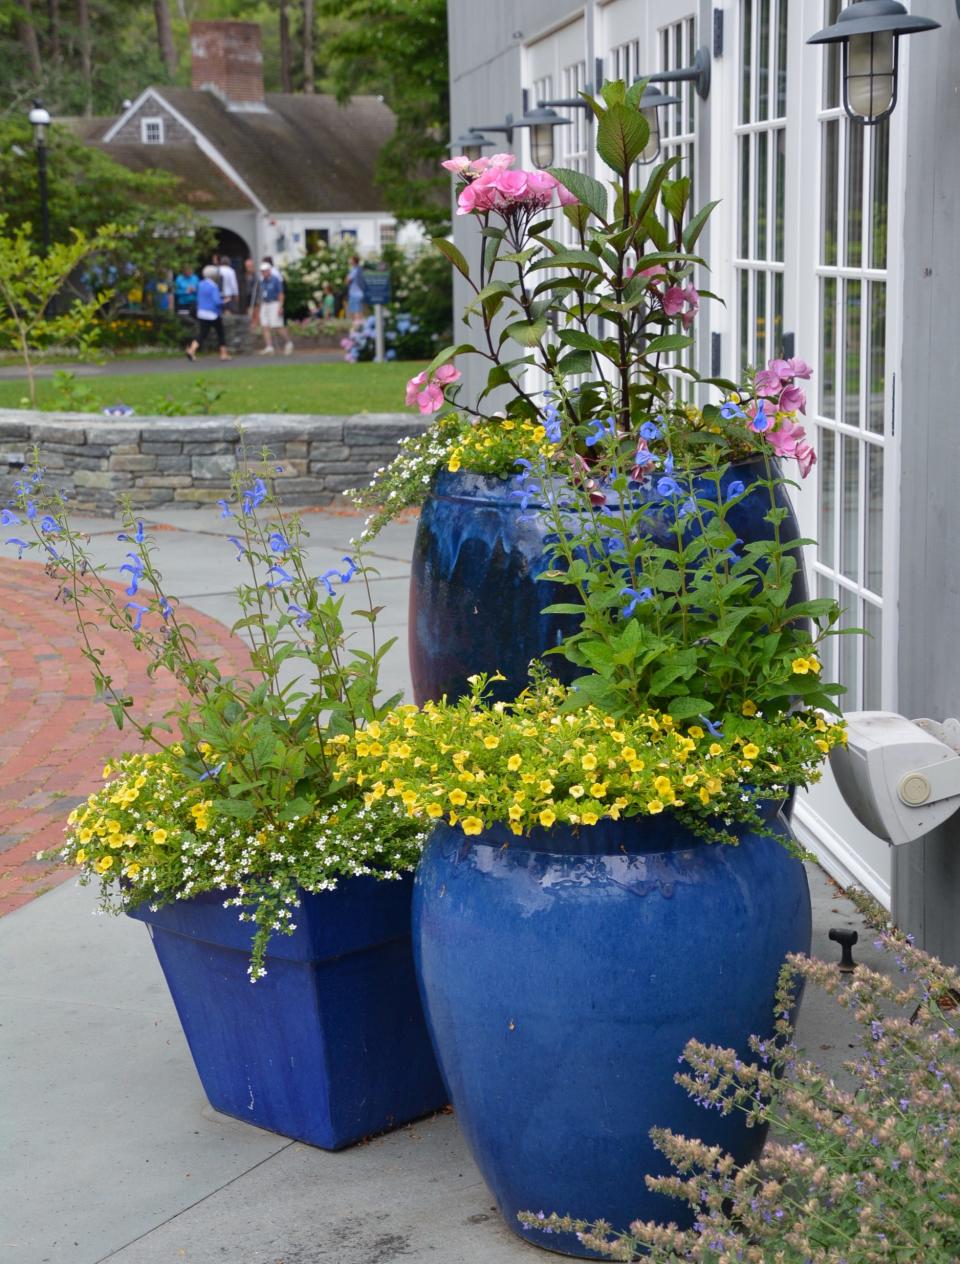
pixel 136 573
pixel 254 497
pixel 238 545
pixel 301 616
pixel 165 608
pixel 138 617
pixel 49 524
pixel 649 431
pixel 348 574
pixel 325 580
pixel 31 510
pixel 225 510
pixel 8 518
pixel 551 424
pixel 285 577
pixel 668 487
pixel 736 488
pixel 713 729
pixel 21 545
pixel 730 410
pixel 645 594
pixel 213 772
pixel 600 429
pixel 668 463
pixel 136 538
pixel 278 543
pixel 688 507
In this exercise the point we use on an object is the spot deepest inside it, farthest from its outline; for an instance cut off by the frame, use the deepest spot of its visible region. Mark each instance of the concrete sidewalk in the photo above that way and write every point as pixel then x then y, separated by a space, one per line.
pixel 111 1152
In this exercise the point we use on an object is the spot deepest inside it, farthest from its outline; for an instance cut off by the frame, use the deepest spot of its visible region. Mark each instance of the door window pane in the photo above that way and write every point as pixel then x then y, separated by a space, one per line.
pixel 746 37
pixel 879 176
pixel 827 476
pixel 828 347
pixel 745 198
pixel 760 317
pixel 854 196
pixel 850 411
pixel 831 167
pixel 850 506
pixel 873 520
pixel 849 651
pixel 827 590
pixel 872 657
pixel 876 360
pixel 763 60
pixel 780 191
pixel 781 59
pixel 760 208
pixel 831 76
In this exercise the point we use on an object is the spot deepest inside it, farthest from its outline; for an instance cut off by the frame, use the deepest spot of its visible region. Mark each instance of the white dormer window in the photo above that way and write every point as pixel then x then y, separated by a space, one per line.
pixel 151 131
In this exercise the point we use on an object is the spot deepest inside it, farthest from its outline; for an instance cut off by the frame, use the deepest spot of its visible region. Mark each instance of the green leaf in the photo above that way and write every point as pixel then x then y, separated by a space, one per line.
pixel 575 362
pixel 584 188
pixel 570 259
pixel 580 340
pixel 697 224
pixel 667 342
pixel 675 195
pixel 622 134
pixel 614 92
pixel 453 254
pixel 448 353
pixel 527 332
pixel 686 708
pixel 578 213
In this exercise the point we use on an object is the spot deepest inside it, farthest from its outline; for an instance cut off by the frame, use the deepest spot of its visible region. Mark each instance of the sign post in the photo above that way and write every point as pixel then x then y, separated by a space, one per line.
pixel 378 290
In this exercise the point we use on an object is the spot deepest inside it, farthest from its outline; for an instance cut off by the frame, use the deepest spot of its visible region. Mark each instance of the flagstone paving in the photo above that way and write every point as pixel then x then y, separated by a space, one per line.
pixel 54 736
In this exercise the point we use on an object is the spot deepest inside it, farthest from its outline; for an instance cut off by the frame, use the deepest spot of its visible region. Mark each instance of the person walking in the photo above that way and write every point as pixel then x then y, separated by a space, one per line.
pixel 209 314
pixel 328 302
pixel 269 296
pixel 358 296
pixel 229 286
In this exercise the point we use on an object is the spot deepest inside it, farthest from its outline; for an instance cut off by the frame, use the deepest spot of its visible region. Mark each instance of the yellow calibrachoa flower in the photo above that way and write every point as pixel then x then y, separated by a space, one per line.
pixel 434 810
pixel 457 797
pixel 748 707
pixel 471 825
pixel 103 864
pixel 589 762
pixel 160 837
pixel 81 856
pixel 514 762
pixel 132 869
pixel 491 742
pixel 751 751
pixel 547 817
pixel 654 807
pixel 800 666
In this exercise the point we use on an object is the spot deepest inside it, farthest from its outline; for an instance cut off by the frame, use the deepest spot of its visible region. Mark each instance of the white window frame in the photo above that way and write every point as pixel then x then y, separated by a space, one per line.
pixel 152 120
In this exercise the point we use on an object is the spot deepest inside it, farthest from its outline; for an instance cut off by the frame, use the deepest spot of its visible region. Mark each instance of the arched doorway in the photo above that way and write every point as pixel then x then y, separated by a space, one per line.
pixel 231 246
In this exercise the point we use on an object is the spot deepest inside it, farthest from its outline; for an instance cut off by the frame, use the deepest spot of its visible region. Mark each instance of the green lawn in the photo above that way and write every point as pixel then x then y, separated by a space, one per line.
pixel 279 387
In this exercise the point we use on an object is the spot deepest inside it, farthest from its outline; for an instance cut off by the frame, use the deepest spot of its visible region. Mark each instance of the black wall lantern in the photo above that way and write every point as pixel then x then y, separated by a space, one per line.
pixel 868 34
pixel 471 144
pixel 652 101
pixel 541 121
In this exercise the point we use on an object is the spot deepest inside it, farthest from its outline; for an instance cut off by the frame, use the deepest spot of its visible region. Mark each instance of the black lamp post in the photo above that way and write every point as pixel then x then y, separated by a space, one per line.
pixel 698 74
pixel 868 34
pixel 40 120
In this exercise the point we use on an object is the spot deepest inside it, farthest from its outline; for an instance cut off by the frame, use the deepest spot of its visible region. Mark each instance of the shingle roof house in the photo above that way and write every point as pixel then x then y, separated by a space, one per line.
pixel 274 172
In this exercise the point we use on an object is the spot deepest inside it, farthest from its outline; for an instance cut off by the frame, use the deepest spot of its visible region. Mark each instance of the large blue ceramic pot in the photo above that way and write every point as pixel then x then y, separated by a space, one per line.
pixel 475 595
pixel 330 1046
pixel 562 975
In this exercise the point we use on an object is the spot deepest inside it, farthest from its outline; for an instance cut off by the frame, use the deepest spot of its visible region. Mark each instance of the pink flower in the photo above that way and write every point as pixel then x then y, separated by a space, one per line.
pixel 692 299
pixel 768 381
pixel 673 301
pixel 792 400
pixel 414 386
pixel 430 398
pixel 785 438
pixel 500 160
pixel 458 165
pixel 781 368
pixel 806 457
pixel 657 270
pixel 446 374
pixel 513 184
pixel 788 369
pixel 564 196
pixel 467 199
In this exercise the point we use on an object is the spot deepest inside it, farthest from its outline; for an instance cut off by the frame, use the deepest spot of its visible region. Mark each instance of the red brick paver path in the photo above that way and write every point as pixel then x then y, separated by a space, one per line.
pixel 54 737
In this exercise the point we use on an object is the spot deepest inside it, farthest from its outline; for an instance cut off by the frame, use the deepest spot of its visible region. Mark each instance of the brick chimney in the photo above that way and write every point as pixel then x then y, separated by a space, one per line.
pixel 226 57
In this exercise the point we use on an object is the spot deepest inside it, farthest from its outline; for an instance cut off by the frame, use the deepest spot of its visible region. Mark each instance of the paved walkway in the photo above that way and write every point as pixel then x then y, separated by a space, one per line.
pixel 54 736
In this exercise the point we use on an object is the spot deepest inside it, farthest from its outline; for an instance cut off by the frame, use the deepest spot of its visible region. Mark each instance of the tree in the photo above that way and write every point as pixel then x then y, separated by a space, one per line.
pixel 286 66
pixel 398 48
pixel 309 69
pixel 168 52
pixel 29 284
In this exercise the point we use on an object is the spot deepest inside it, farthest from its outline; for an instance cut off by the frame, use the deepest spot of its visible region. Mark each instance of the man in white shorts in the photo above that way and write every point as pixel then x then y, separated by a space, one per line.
pixel 269 308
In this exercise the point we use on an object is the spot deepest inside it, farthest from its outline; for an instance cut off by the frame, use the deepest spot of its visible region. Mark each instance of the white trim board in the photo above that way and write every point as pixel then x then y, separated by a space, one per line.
pixel 202 143
pixel 834 854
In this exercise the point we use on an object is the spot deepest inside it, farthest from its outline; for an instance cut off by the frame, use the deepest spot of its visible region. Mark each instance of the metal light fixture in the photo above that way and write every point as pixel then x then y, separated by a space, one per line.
pixel 698 74
pixel 541 121
pixel 652 101
pixel 868 34
pixel 471 144
pixel 39 119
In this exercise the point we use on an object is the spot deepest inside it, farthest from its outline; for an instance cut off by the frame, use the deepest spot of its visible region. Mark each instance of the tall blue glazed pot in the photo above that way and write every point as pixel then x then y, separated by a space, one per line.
pixel 562 975
pixel 331 1045
pixel 475 595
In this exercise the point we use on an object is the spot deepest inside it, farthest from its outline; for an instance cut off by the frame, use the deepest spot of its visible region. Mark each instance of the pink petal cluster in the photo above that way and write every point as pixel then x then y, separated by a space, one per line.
pixel 682 301
pixel 787 437
pixel 493 186
pixel 427 391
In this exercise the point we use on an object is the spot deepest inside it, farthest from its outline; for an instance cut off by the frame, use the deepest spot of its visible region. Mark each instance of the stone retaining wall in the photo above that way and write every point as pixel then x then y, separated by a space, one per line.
pixel 190 460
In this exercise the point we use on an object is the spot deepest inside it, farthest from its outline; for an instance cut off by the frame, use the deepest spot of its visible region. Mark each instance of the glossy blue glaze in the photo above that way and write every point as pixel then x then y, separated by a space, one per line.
pixel 330 1046
pixel 475 599
pixel 562 976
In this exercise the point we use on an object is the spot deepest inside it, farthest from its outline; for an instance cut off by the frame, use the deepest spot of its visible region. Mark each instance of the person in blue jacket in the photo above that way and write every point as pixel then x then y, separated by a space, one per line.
pixel 209 314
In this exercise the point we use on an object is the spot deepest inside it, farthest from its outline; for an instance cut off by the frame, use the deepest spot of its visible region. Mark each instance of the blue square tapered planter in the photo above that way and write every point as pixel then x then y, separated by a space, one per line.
pixel 331 1045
